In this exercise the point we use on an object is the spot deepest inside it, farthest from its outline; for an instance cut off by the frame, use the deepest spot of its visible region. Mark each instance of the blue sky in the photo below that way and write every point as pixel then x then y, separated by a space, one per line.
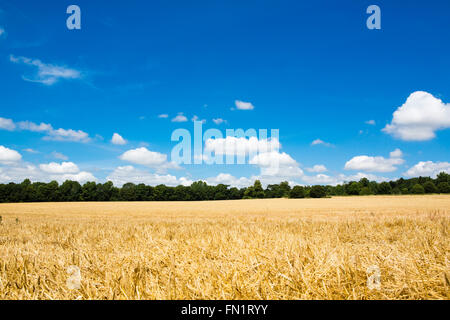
pixel 311 69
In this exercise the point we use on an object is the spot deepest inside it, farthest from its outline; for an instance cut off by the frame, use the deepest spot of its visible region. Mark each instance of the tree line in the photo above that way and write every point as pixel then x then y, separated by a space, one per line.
pixel 200 190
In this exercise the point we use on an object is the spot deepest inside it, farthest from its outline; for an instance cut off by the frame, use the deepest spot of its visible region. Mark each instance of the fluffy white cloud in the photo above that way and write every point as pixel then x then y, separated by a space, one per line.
pixel 7 124
pixel 317 168
pixel 19 172
pixel 241 146
pixel 321 142
pixel 81 177
pixel 228 179
pixel 59 168
pixel 419 118
pixel 8 156
pixel 320 179
pixel 117 139
pixel 241 105
pixel 428 169
pixel 122 175
pixel 67 135
pixel 397 153
pixel 2 32
pixel 47 74
pixel 180 118
pixel 376 164
pixel 371 122
pixel 163 116
pixel 271 159
pixel 148 158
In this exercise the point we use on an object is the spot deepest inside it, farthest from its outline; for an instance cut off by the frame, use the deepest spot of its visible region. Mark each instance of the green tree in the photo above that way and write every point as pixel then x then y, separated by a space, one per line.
pixel 443 177
pixel 354 188
pixel 297 192
pixel 317 192
pixel 258 189
pixel 444 187
pixel 417 189
pixel 128 192
pixel 384 188
pixel 70 191
pixel 429 187
pixel 365 191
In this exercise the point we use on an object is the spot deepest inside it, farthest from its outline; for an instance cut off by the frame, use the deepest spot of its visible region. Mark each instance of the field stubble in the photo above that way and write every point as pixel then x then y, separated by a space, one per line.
pixel 246 249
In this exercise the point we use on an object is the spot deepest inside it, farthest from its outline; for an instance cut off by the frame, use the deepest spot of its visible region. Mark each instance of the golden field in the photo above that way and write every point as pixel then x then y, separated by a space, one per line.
pixel 244 249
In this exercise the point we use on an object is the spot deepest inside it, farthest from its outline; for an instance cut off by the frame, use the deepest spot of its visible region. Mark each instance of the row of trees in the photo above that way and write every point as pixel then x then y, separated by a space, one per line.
pixel 91 191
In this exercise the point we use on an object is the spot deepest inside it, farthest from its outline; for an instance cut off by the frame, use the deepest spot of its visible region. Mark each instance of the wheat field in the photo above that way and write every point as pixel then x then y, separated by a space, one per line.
pixel 374 247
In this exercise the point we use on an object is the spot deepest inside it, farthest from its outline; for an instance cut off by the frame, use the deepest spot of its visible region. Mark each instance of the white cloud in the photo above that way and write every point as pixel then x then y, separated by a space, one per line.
pixel 428 168
pixel 20 172
pixel 2 32
pixel 317 168
pixel 269 159
pixel 163 116
pixel 81 177
pixel 122 175
pixel 148 158
pixel 397 153
pixel 58 155
pixel 31 126
pixel 228 179
pixel 47 74
pixel 180 118
pixel 219 121
pixel 7 124
pixel 320 179
pixel 67 135
pixel 59 168
pixel 8 156
pixel 419 118
pixel 52 134
pixel 241 105
pixel 375 164
pixel 371 122
pixel 117 139
pixel 321 142
pixel 241 146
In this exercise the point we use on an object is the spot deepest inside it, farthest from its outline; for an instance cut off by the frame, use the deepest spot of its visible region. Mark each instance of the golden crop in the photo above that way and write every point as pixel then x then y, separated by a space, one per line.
pixel 244 249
